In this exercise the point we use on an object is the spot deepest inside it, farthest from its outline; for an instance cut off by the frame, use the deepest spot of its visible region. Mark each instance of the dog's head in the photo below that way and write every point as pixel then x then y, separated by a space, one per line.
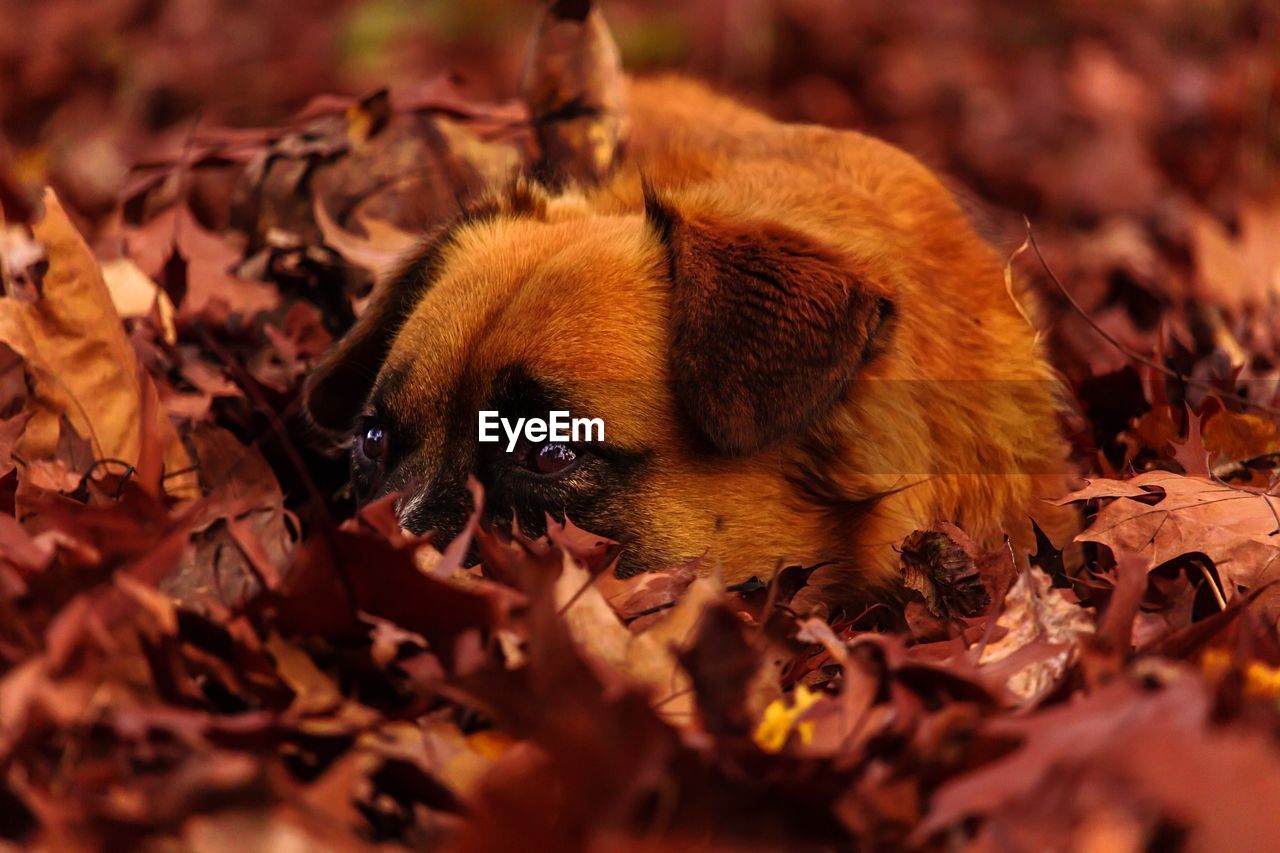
pixel 712 346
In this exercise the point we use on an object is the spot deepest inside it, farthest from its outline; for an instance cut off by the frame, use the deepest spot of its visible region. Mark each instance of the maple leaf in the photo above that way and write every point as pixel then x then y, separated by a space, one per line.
pixel 176 244
pixel 1244 272
pixel 1140 748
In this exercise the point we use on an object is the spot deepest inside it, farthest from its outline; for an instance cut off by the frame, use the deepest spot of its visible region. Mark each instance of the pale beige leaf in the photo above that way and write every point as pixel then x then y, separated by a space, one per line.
pixel 648 658
pixel 377 253
pixel 1035 612
pixel 135 295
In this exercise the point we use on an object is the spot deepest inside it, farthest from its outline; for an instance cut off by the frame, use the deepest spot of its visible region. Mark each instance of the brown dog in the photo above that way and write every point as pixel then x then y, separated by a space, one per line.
pixel 798 346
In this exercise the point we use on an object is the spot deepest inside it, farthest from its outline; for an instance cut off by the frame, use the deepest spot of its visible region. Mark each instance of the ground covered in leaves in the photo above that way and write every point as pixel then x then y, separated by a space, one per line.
pixel 203 646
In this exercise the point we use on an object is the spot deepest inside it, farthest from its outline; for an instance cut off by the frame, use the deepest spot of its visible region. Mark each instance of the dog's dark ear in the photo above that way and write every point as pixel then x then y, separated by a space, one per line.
pixel 339 384
pixel 767 326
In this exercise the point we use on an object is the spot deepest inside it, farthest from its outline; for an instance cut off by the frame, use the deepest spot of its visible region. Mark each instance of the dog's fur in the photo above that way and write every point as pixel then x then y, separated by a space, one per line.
pixel 799 347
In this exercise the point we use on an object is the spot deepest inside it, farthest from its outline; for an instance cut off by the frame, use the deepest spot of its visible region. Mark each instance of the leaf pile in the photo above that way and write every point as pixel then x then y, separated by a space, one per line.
pixel 202 644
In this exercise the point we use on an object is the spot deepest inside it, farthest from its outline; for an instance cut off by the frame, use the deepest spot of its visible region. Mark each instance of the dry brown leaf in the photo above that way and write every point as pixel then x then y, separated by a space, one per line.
pixel 79 359
pixel 1160 515
pixel 378 252
pixel 242 540
pixel 209 260
pixel 1235 436
pixel 461 761
pixel 650 657
pixel 315 691
pixel 939 565
pixel 1243 272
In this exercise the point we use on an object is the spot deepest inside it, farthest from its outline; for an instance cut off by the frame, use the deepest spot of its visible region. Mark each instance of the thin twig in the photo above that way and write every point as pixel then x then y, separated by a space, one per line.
pixel 1202 384
pixel 671 697
pixel 1008 284
pixel 1213 585
pixel 1240 467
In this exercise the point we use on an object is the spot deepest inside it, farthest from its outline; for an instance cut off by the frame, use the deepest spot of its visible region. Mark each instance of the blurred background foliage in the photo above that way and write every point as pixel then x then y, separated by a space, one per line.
pixel 1077 110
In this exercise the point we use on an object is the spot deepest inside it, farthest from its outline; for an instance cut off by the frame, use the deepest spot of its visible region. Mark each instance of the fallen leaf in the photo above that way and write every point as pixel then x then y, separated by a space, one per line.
pixel 209 262
pixel 79 359
pixel 1244 272
pixel 937 565
pixel 1160 515
pixel 1035 613
pixel 135 295
pixel 378 252
pixel 782 717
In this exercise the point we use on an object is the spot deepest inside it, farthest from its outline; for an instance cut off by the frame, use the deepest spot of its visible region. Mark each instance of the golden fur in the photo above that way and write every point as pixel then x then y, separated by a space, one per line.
pixel 950 409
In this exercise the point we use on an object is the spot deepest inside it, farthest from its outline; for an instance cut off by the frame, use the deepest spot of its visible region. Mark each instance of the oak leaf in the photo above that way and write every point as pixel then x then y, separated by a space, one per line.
pixel 1160 515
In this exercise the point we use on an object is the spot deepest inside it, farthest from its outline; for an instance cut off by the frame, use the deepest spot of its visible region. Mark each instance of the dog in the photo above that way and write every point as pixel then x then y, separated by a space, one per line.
pixel 799 348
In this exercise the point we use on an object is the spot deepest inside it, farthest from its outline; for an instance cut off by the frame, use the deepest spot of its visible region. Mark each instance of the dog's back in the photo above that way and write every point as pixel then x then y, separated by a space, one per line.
pixel 958 417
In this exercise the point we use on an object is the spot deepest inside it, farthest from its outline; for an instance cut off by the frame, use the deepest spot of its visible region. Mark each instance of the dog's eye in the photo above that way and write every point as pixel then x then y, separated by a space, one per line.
pixel 373 442
pixel 552 458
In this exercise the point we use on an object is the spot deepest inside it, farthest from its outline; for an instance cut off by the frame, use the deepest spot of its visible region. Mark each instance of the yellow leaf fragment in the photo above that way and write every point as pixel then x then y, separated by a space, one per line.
pixel 1260 680
pixel 780 720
